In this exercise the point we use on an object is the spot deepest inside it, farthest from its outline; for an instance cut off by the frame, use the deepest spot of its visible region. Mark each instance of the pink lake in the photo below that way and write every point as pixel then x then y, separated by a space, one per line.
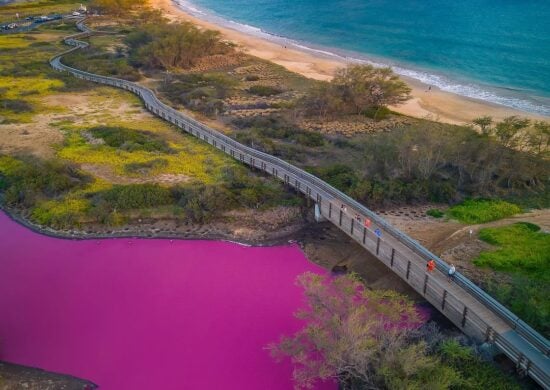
pixel 148 314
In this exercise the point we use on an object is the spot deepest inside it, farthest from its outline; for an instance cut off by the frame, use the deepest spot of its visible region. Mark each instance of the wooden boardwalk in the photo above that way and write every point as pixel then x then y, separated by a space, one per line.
pixel 471 309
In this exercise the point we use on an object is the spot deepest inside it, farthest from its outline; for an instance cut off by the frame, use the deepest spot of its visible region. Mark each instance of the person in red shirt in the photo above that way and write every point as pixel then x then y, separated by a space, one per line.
pixel 430 266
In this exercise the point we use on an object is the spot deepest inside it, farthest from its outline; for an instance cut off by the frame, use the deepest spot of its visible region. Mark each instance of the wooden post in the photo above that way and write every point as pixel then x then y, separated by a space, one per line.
pixel 464 314
pixel 425 283
pixel 340 221
pixel 392 256
pixel 330 210
pixel 364 234
pixel 408 269
pixel 352 222
pixel 444 300
pixel 378 248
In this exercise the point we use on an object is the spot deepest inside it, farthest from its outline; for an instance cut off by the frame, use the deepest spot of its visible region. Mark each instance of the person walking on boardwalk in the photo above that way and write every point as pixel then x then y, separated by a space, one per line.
pixel 430 265
pixel 451 273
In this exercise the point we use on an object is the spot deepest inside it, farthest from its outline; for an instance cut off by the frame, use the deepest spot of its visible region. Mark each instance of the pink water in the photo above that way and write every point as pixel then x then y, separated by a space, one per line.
pixel 148 314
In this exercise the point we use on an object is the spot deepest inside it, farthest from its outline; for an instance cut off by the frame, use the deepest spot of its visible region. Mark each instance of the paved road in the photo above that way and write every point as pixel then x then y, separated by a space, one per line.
pixel 466 305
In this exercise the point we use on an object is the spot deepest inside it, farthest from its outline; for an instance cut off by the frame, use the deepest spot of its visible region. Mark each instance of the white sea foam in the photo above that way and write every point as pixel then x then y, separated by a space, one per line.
pixel 489 94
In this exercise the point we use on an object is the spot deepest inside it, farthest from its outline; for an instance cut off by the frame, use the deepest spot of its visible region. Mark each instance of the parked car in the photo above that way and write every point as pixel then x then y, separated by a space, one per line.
pixel 57 17
pixel 76 13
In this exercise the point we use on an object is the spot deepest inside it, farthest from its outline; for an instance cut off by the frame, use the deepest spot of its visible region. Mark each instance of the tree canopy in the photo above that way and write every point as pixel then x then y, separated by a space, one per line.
pixel 359 337
pixel 174 45
pixel 356 89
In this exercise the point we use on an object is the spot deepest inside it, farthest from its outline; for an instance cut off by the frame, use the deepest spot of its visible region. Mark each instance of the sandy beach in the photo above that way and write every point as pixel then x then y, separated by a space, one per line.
pixel 434 104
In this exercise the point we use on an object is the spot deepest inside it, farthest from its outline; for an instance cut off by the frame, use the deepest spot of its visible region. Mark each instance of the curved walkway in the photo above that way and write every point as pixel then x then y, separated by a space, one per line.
pixel 466 305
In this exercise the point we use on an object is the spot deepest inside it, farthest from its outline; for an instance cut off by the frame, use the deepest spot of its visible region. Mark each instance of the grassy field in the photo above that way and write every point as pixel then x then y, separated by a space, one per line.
pixel 476 211
pixel 103 141
pixel 522 253
pixel 522 249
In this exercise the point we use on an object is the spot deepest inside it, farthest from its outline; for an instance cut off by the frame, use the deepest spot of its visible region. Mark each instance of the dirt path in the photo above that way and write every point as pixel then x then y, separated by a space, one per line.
pixel 451 240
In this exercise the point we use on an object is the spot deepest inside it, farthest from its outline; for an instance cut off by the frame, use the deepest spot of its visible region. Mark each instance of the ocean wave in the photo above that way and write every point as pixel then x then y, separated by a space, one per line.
pixel 444 83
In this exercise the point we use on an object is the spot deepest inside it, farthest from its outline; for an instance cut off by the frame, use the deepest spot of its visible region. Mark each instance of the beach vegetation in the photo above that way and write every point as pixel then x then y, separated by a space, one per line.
pixel 518 133
pixel 366 86
pixel 173 45
pixel 484 123
pixel 357 89
pixel 482 210
pixel 201 92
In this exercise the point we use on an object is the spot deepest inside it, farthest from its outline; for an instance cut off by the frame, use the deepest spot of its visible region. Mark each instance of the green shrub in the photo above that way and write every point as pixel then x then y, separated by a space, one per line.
pixel 527 298
pixel 28 180
pixel 435 213
pixel 130 140
pixel 482 210
pixel 134 196
pixel 377 113
pixel 474 372
pixel 201 203
pixel 341 176
pixel 522 249
pixel 264 90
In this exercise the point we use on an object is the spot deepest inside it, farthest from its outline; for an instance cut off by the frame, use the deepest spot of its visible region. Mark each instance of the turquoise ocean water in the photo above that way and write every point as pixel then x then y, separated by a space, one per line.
pixel 494 50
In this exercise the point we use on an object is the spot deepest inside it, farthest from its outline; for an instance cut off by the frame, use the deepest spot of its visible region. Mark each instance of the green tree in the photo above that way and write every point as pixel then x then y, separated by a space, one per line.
pixel 539 139
pixel 510 130
pixel 359 337
pixel 174 45
pixel 484 123
pixel 365 86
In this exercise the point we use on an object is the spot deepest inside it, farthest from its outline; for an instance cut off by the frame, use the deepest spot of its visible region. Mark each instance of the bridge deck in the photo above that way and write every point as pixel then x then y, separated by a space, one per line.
pixel 467 306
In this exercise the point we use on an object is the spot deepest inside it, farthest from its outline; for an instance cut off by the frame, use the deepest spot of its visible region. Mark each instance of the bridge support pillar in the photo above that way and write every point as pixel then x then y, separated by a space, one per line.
pixel 488 350
pixel 318 216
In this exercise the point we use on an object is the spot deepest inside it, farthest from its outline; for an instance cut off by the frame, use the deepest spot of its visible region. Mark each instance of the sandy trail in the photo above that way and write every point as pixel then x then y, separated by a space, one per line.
pixel 435 104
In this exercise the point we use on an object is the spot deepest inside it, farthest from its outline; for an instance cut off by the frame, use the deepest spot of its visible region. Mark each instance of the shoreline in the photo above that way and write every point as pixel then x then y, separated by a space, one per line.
pixel 436 104
pixel 292 236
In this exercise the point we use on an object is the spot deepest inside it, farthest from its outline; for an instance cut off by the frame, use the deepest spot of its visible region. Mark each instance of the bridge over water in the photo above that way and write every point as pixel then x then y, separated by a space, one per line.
pixel 471 309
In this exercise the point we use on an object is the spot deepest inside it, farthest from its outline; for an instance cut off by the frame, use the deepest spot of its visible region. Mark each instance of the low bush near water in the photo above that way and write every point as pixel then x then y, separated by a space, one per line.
pixel 27 181
pixel 134 196
pixel 374 339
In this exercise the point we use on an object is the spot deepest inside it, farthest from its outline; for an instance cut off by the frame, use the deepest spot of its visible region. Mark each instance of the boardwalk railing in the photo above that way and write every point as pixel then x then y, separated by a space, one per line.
pixel 465 304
